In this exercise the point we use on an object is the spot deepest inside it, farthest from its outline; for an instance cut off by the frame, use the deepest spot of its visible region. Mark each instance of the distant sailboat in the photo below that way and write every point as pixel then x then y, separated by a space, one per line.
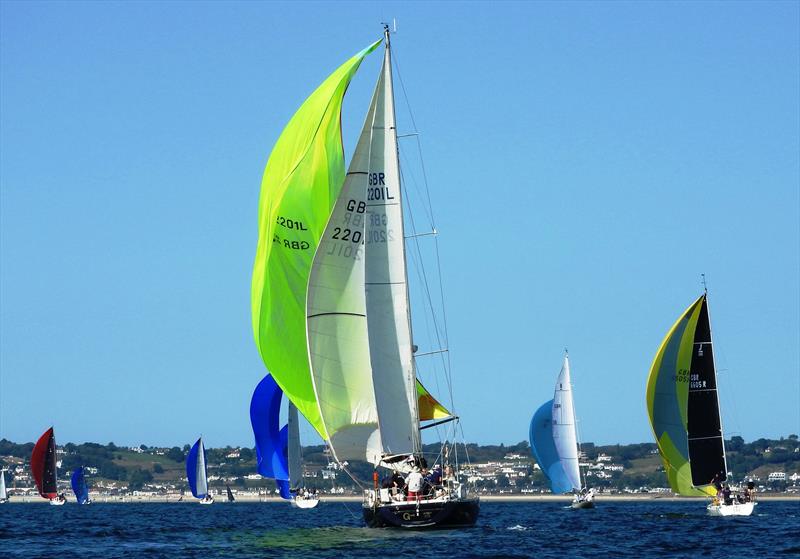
pixel 44 468
pixel 554 442
pixel 330 301
pixel 278 451
pixel 3 492
pixel 197 474
pixel 230 494
pixel 684 412
pixel 79 486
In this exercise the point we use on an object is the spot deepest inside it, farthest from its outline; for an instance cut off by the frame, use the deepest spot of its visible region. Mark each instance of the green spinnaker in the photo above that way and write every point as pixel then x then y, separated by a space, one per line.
pixel 301 182
pixel 668 400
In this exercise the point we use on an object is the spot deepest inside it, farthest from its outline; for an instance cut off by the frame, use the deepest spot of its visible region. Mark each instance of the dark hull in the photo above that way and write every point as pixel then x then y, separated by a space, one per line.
pixel 583 505
pixel 426 516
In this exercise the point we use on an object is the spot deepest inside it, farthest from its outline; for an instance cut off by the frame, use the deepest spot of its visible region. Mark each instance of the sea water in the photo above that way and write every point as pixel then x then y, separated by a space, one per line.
pixel 518 529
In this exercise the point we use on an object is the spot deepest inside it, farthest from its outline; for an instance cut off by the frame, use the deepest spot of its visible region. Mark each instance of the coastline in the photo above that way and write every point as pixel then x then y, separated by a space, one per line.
pixel 356 499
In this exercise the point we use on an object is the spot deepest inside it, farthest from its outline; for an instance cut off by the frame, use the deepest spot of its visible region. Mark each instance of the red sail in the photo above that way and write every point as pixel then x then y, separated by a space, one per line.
pixel 43 465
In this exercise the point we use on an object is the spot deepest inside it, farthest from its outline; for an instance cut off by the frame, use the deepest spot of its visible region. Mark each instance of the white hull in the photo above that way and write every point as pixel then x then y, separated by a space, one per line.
pixel 736 509
pixel 208 501
pixel 57 502
pixel 305 503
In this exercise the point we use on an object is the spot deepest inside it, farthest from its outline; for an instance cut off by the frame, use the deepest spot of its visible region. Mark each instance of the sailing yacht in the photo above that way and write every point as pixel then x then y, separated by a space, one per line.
pixel 278 450
pixel 3 491
pixel 554 442
pixel 44 468
pixel 197 473
pixel 330 300
pixel 684 412
pixel 79 486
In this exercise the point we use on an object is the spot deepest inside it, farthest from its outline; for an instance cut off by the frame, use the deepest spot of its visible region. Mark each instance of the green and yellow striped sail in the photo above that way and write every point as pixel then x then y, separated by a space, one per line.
pixel 667 401
pixel 301 182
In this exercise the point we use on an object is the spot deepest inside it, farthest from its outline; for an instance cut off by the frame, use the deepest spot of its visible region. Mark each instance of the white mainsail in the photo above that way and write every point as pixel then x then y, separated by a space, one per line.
pixel 358 324
pixel 294 451
pixel 3 492
pixel 386 283
pixel 202 482
pixel 564 432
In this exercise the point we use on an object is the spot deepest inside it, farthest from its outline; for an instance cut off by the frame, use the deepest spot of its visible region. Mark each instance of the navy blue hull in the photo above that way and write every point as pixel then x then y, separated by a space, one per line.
pixel 426 515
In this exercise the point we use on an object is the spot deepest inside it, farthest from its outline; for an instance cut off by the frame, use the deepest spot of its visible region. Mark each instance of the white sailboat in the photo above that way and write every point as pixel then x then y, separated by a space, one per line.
pixel 330 300
pixel 554 442
pixel 684 411
pixel 359 327
pixel 302 499
pixel 3 491
pixel 197 474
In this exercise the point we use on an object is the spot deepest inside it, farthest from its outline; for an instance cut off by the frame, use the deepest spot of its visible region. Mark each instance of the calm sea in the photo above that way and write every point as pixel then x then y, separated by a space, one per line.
pixel 538 529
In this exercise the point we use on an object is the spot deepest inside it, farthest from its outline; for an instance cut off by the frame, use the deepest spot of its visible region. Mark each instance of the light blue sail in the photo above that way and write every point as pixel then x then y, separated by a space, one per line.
pixel 79 486
pixel 544 449
pixel 271 438
pixel 196 470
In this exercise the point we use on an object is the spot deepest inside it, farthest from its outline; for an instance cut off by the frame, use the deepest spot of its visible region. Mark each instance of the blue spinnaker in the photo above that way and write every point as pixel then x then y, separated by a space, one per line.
pixel 271 438
pixel 191 471
pixel 79 486
pixel 544 449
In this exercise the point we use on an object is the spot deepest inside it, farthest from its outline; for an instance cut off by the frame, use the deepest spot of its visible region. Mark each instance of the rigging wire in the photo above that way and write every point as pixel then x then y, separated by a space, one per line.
pixel 443 335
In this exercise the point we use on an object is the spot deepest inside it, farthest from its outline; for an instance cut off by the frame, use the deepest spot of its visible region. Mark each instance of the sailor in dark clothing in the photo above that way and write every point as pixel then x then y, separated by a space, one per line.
pixel 726 495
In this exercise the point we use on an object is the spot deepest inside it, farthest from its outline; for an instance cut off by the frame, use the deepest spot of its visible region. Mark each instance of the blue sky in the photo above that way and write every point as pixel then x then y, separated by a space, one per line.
pixel 587 162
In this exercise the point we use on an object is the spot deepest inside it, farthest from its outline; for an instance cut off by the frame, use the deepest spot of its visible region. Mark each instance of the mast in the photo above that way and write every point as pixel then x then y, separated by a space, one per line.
pixel 411 382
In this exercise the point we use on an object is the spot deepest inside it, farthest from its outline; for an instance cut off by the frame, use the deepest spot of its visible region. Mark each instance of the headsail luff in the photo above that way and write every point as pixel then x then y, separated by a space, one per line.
pixel 301 182
pixel 682 405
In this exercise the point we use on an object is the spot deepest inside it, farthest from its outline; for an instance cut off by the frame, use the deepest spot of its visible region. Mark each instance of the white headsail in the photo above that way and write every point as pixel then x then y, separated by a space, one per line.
pixel 564 432
pixel 359 329
pixel 338 340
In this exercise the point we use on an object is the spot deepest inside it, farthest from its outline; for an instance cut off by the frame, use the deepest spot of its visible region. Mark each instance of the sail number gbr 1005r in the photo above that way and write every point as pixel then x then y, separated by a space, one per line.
pixel 345 233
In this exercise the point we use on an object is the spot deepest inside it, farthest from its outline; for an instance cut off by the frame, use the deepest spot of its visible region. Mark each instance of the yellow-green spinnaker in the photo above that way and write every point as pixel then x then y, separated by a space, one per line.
pixel 301 182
